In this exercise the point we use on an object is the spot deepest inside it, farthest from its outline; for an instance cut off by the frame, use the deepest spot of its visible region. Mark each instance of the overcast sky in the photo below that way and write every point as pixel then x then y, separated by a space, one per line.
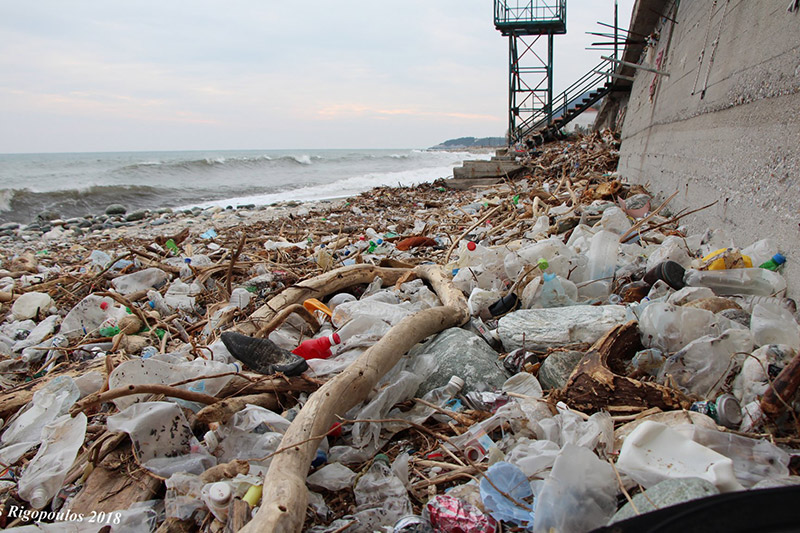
pixel 92 75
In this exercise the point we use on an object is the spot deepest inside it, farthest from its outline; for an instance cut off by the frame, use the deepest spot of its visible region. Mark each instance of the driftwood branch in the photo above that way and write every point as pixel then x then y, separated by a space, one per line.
pixel 285 495
pixel 317 287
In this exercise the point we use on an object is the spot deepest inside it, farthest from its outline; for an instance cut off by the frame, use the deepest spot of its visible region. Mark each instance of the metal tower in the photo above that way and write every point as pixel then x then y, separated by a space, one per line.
pixel 530 75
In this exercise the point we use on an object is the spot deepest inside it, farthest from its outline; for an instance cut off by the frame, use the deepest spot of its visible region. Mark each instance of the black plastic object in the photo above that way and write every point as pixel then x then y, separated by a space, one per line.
pixel 669 272
pixel 763 511
pixel 505 304
pixel 263 355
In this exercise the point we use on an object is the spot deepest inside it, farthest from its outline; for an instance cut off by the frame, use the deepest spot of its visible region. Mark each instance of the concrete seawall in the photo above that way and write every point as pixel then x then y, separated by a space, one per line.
pixel 725 124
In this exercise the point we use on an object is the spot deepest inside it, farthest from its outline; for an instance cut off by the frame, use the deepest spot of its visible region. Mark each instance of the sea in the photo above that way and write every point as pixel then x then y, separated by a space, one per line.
pixel 78 184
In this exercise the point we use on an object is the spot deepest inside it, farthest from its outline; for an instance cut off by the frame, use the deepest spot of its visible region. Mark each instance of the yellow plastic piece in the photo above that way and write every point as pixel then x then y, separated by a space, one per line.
pixel 312 304
pixel 253 495
pixel 727 258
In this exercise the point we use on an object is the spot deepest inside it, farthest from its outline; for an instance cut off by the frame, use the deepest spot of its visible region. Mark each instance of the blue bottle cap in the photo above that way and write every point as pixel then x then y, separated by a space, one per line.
pixel 779 259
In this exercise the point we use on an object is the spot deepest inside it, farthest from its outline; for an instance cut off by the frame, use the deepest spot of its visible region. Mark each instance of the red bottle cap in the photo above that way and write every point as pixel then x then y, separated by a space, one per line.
pixel 335 339
pixel 103 305
pixel 471 246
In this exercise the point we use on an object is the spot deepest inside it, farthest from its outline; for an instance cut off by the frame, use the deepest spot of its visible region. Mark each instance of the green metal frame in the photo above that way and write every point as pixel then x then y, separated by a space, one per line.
pixel 530 73
pixel 530 17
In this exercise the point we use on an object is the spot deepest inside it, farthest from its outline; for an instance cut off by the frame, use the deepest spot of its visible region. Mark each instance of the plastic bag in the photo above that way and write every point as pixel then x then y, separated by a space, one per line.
pixel 579 495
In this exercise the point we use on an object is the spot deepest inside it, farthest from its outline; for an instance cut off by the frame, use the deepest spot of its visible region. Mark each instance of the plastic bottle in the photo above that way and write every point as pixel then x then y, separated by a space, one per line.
pixel 602 255
pixel 552 292
pixel 49 403
pixel 319 348
pixel 772 264
pixel 186 270
pixel 61 441
pixel 217 496
pixel 757 281
pixel 148 278
pixel 156 301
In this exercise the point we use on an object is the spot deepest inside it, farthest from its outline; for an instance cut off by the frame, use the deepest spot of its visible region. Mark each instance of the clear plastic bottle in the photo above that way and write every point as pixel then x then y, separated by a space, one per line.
pixel 156 301
pixel 148 278
pixel 61 441
pixel 553 293
pixel 186 272
pixel 756 281
pixel 49 403
pixel 602 255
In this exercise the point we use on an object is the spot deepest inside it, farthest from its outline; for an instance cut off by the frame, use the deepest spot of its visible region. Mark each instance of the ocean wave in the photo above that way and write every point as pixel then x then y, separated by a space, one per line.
pixel 23 205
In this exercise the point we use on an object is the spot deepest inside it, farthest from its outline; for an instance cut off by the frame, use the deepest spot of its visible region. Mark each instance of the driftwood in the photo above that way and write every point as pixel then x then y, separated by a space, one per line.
pixel 597 382
pixel 114 484
pixel 285 498
pixel 777 397
pixel 222 411
pixel 13 399
pixel 317 287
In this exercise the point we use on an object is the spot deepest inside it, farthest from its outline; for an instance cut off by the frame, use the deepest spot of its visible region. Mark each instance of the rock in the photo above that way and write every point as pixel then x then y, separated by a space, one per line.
pixel 461 353
pixel 159 222
pixel 637 201
pixel 556 369
pixel 779 482
pixel 540 329
pixel 47 216
pixel 668 492
pixel 116 209
pixel 136 215
pixel 9 226
pixel 85 223
pixel 30 304
pixel 737 315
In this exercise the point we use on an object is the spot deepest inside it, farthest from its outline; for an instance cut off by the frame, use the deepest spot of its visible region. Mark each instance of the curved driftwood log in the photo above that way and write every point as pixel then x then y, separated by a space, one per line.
pixel 597 383
pixel 317 287
pixel 285 496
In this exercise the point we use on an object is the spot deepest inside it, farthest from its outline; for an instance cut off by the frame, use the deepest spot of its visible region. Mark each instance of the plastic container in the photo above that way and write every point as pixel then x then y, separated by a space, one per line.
pixel 727 258
pixel 756 281
pixel 602 255
pixel 25 429
pixel 319 348
pixel 149 278
pixel 669 272
pixel 774 263
pixel 553 292
pixel 44 475
pixel 217 497
pixel 654 452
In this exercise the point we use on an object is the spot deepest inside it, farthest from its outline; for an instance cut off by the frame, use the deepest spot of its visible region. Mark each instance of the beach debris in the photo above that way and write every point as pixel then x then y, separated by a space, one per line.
pixel 341 364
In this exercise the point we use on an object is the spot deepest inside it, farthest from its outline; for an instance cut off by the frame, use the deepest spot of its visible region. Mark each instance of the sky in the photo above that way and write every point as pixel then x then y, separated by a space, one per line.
pixel 108 75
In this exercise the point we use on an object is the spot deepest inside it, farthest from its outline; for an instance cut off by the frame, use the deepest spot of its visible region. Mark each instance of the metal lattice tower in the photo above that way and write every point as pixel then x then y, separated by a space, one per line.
pixel 530 72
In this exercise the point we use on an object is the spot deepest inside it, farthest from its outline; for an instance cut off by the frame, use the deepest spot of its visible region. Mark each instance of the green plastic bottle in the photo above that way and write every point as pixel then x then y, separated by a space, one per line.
pixel 773 264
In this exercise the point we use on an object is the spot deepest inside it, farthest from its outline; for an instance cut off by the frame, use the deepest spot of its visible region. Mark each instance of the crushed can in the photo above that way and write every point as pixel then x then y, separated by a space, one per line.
pixel 725 410
pixel 412 524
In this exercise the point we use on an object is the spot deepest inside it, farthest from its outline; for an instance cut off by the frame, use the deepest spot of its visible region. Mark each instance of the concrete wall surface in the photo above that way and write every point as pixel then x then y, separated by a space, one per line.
pixel 725 124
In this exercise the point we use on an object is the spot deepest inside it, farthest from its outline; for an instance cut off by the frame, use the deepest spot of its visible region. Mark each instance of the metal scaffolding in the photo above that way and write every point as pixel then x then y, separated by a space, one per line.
pixel 529 26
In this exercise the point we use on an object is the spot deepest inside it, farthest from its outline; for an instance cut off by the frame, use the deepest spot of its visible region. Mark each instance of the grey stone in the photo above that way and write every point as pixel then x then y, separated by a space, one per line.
pixel 737 315
pixel 777 482
pixel 637 201
pixel 136 215
pixel 540 329
pixel 9 225
pixel 85 224
pixel 159 222
pixel 116 209
pixel 47 216
pixel 668 492
pixel 461 353
pixel 163 210
pixel 556 369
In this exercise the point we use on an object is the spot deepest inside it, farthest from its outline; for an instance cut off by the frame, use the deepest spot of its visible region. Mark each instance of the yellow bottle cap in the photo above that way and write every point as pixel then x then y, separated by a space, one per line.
pixel 312 304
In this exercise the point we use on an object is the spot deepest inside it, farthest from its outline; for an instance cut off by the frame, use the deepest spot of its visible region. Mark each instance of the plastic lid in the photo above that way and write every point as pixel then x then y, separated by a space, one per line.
pixel 542 263
pixel 471 246
pixel 548 276
pixel 335 339
pixel 457 381
pixel 312 304
pixel 779 259
pixel 220 493
pixel 382 457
